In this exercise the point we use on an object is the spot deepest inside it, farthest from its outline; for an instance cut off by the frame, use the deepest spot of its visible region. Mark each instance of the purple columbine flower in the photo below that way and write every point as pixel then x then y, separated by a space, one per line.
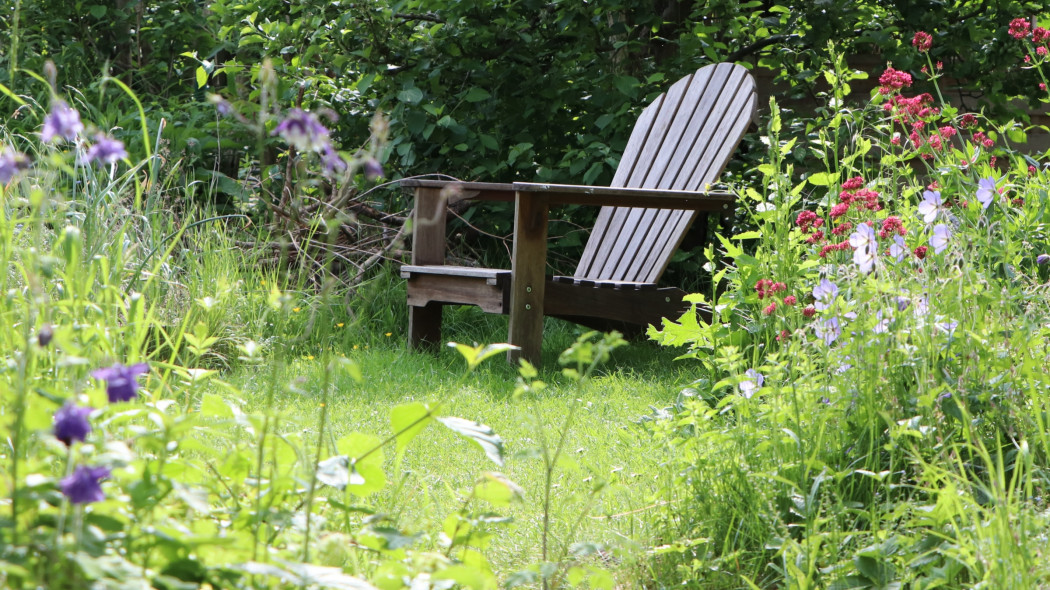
pixel 903 303
pixel 898 249
pixel 930 206
pixel 83 486
pixel 825 294
pixel 940 238
pixel 71 423
pixel 1042 259
pixel 752 384
pixel 986 191
pixel 863 240
pixel 222 106
pixel 121 382
pixel 302 130
pixel 62 122
pixel 373 169
pixel 11 163
pixel 105 150
pixel 44 335
pixel 332 161
pixel 828 330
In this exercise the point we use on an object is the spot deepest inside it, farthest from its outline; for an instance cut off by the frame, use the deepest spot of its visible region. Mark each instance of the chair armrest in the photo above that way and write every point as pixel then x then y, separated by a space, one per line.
pixel 569 194
pixel 457 190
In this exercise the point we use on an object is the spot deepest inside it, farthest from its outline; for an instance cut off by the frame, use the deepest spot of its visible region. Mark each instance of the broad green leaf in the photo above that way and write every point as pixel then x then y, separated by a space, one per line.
pixel 821 178
pixel 202 77
pixel 487 439
pixel 474 355
pixel 466 577
pixel 476 94
pixel 366 476
pixel 410 95
pixel 497 489
pixel 408 420
pixel 214 406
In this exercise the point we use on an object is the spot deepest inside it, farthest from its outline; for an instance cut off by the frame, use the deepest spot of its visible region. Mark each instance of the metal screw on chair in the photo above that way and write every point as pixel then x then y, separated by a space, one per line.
pixel 667 299
pixel 528 289
pixel 528 306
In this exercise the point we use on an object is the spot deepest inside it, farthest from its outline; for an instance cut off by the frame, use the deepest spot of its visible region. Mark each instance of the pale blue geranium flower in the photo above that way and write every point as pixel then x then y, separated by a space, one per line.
pixel 753 383
pixel 940 238
pixel 898 249
pixel 865 247
pixel 825 294
pixel 947 327
pixel 986 192
pixel 930 206
pixel 828 330
pixel 883 325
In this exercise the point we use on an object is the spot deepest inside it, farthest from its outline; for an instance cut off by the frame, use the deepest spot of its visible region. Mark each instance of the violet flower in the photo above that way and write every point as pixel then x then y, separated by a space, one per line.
pixel 121 382
pixel 302 130
pixel 931 205
pixel 1042 259
pixel 825 294
pixel 828 330
pixel 940 238
pixel 83 486
pixel 105 150
pixel 71 423
pixel 373 169
pixel 986 192
pixel 62 122
pixel 898 249
pixel 11 163
pixel 332 161
pixel 754 382
pixel 863 240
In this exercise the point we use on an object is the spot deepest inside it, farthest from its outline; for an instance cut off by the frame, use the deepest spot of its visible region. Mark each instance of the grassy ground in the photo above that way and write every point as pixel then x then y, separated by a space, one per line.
pixel 603 444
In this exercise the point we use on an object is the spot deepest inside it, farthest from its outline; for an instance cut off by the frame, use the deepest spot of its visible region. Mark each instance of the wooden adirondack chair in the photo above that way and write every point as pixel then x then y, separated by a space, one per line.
pixel 680 144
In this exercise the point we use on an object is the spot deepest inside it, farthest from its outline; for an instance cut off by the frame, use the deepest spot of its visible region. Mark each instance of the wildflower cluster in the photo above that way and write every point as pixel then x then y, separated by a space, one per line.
pixel 71 424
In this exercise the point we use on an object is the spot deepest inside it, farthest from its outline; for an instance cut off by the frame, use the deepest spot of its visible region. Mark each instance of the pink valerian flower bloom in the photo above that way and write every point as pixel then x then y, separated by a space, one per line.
pixel 844 245
pixel 808 219
pixel 783 336
pixel 815 237
pixel 947 131
pixel 935 141
pixel 1040 35
pixel 790 300
pixel 1031 170
pixel 922 41
pixel 842 228
pixel 968 120
pixel 1041 51
pixel 896 139
pixel 853 184
pixel 920 252
pixel 893 80
pixel 891 225
pixel 772 307
pixel 868 198
pixel 839 210
pixel 1020 28
pixel 1042 86
pixel 809 311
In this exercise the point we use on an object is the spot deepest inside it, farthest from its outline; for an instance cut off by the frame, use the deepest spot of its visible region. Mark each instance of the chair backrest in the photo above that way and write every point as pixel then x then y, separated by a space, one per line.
pixel 683 140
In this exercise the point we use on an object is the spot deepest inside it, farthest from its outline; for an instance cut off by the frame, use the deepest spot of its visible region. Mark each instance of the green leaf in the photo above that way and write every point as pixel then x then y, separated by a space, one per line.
pixel 474 355
pixel 97 10
pixel 489 441
pixel 476 94
pixel 214 406
pixel 408 420
pixel 497 489
pixel 410 95
pixel 466 577
pixel 365 476
pixel 202 77
pixel 821 179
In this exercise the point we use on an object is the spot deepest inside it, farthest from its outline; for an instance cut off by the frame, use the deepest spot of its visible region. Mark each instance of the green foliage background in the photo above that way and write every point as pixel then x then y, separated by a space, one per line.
pixel 487 89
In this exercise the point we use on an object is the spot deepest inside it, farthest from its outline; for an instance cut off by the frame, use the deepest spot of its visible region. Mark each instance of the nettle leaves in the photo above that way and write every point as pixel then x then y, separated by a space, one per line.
pixel 359 466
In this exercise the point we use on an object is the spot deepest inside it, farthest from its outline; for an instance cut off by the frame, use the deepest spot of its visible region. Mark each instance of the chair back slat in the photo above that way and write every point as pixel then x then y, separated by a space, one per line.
pixel 683 140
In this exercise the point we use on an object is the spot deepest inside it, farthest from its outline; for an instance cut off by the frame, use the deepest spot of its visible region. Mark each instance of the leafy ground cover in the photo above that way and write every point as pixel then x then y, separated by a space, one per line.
pixel 868 407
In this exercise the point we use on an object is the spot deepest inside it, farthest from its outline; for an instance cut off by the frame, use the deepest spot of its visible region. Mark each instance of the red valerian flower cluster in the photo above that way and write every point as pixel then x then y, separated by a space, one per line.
pixel 893 80
pixel 767 287
pixel 922 41
pixel 1020 28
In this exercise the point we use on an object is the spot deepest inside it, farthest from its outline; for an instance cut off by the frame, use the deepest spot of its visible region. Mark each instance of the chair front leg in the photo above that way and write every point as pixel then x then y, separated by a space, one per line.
pixel 528 269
